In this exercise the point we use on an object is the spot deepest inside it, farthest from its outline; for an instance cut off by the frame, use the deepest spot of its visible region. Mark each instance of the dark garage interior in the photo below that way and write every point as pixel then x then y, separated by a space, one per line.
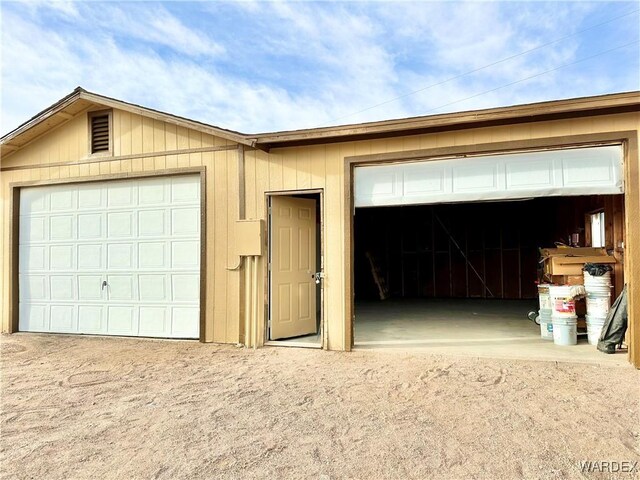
pixel 421 271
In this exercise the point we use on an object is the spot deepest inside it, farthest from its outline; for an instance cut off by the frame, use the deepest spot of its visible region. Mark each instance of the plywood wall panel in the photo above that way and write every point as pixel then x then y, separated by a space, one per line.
pixel 221 203
pixel 211 234
pixel 232 319
pixel 147 135
pixel 318 166
pixel 303 169
pixel 124 132
pixel 275 172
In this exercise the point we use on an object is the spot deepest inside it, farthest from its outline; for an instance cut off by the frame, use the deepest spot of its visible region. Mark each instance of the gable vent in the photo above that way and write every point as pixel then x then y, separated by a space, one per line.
pixel 100 133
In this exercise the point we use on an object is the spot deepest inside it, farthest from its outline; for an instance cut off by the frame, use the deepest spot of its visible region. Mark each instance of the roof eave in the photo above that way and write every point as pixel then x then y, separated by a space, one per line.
pixel 80 93
pixel 571 108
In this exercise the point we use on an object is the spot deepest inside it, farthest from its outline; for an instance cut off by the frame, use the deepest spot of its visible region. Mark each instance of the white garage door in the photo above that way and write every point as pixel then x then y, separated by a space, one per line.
pixel 111 258
pixel 579 171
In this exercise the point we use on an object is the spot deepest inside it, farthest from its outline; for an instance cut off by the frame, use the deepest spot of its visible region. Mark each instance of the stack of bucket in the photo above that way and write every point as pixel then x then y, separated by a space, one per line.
pixel 563 315
pixel 546 309
pixel 598 303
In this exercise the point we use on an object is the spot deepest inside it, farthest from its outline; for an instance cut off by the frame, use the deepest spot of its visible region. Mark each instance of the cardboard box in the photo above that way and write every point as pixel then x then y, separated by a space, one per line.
pixel 569 261
pixel 567 279
pixel 573 265
pixel 572 251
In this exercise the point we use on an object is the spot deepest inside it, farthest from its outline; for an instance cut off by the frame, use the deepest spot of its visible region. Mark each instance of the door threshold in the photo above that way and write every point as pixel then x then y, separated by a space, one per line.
pixel 288 343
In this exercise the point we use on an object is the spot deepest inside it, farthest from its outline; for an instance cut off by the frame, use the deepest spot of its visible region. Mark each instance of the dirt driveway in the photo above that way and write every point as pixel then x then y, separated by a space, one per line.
pixel 81 407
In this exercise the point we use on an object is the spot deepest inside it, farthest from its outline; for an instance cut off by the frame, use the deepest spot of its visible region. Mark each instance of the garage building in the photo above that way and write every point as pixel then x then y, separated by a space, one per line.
pixel 122 220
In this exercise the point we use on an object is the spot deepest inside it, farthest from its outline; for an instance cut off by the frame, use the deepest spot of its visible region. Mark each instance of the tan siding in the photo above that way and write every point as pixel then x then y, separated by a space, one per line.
pixel 212 261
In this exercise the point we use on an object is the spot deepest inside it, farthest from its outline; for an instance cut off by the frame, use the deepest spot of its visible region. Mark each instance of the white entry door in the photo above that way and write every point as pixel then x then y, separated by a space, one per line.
pixel 111 258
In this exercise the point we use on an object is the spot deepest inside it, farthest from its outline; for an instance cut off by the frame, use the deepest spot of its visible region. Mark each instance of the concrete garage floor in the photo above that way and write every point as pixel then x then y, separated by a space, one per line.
pixel 472 327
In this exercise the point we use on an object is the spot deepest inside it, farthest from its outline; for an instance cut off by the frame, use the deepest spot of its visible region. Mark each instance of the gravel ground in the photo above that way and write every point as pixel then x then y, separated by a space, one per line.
pixel 87 407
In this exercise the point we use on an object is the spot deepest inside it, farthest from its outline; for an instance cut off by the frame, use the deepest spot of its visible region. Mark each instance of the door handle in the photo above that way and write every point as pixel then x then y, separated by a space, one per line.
pixel 317 277
pixel 104 284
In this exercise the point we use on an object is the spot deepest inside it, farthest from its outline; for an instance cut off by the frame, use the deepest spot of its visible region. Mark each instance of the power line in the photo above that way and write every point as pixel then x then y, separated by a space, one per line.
pixel 481 68
pixel 534 76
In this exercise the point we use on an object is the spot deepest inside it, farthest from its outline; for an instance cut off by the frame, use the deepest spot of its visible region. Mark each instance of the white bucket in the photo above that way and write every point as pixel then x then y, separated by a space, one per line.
pixel 598 302
pixel 594 328
pixel 593 281
pixel 563 303
pixel 546 328
pixel 546 305
pixel 565 330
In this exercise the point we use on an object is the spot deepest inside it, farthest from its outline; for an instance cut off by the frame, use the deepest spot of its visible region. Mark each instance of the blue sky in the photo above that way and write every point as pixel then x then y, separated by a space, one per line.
pixel 262 66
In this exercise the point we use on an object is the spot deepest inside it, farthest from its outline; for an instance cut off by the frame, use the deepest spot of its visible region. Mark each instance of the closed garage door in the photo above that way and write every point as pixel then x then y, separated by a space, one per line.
pixel 111 258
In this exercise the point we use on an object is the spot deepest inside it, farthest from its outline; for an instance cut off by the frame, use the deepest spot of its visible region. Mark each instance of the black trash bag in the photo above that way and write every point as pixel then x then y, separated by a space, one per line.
pixel 597 269
pixel 615 326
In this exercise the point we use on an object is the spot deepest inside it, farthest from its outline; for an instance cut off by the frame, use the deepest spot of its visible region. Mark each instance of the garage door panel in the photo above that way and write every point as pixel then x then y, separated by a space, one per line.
pixel 90 256
pixel 153 321
pixel 90 287
pixel 182 191
pixel 533 173
pixel 128 233
pixel 185 221
pixel 34 201
pixel 62 257
pixel 415 185
pixel 579 171
pixel 185 255
pixel 33 258
pixel 35 229
pixel 120 225
pixel 91 319
pixel 152 255
pixel 153 192
pixel 153 288
pixel 90 225
pixel 121 194
pixel 185 322
pixel 120 256
pixel 34 317
pixel 121 287
pixel 63 318
pixel 590 171
pixel 63 199
pixel 122 320
pixel 152 223
pixel 90 197
pixel 33 287
pixel 61 227
pixel 62 287
pixel 185 288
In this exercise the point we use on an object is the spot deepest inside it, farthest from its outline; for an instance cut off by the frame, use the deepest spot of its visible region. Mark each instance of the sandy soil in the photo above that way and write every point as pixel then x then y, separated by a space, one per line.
pixel 81 407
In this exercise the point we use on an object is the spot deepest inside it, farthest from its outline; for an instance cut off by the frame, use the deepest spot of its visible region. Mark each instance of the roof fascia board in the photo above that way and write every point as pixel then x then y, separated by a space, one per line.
pixel 42 116
pixel 571 106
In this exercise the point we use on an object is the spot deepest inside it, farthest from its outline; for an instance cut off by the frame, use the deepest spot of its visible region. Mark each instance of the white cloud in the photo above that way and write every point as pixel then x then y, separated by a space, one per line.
pixel 302 64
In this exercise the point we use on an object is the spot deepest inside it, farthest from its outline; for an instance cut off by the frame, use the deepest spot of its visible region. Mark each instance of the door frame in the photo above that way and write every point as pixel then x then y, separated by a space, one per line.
pixel 631 176
pixel 267 277
pixel 14 229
